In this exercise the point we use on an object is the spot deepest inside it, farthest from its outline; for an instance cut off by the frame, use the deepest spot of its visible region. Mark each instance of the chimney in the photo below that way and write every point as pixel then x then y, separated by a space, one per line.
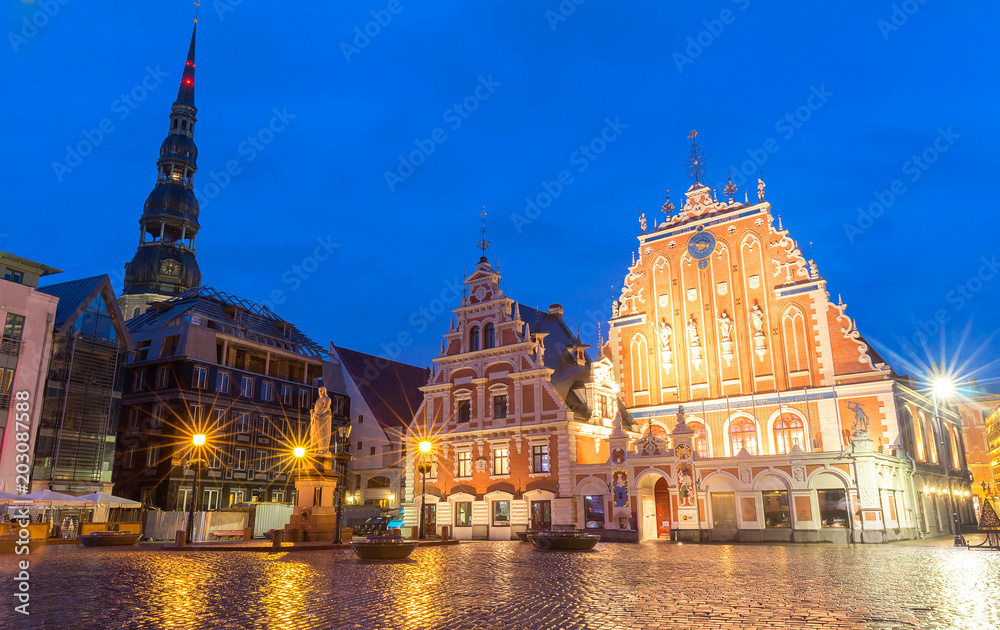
pixel 556 309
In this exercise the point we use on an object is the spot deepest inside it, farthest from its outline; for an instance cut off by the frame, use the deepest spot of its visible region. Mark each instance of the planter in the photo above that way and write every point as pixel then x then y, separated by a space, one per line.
pixel 563 541
pixel 384 550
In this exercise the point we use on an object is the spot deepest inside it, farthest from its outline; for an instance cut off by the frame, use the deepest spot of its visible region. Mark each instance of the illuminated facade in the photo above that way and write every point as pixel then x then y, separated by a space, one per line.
pixel 26 315
pixel 513 408
pixel 796 428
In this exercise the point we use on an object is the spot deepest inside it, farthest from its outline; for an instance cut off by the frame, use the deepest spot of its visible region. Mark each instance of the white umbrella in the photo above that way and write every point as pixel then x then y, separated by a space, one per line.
pixel 53 497
pixel 110 499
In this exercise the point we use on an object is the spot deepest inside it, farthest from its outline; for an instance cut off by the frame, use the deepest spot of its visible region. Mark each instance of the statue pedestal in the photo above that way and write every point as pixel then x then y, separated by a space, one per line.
pixel 315 514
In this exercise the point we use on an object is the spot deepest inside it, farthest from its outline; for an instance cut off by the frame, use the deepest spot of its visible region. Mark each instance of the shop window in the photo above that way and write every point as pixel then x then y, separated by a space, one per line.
pixel 501 513
pixel 463 514
pixel 776 512
pixel 833 508
pixel 593 511
pixel 724 510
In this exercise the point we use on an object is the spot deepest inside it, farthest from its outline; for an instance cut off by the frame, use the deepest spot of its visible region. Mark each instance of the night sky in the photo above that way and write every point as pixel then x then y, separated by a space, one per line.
pixel 881 105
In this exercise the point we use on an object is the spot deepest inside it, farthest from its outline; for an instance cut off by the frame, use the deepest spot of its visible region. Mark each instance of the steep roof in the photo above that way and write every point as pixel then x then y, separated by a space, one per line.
pixel 76 295
pixel 390 388
pixel 567 371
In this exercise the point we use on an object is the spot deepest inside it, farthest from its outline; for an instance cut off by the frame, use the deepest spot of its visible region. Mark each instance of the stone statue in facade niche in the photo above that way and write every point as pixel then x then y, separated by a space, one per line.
pixel 692 328
pixel 725 326
pixel 321 423
pixel 757 318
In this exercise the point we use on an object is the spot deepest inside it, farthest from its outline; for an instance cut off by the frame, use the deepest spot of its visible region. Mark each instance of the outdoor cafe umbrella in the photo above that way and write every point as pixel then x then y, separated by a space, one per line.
pixel 48 496
pixel 109 499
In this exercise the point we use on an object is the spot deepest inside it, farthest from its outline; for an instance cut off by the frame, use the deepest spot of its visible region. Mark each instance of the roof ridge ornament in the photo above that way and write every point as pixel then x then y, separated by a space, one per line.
pixel 696 159
pixel 483 243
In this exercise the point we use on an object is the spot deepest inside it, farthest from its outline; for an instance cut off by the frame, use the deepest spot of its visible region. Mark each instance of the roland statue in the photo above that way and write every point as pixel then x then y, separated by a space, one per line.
pixel 321 423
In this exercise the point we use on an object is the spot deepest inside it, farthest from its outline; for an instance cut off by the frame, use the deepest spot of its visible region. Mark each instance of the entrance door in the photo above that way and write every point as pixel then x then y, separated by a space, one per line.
pixel 661 495
pixel 649 531
pixel 430 519
pixel 541 514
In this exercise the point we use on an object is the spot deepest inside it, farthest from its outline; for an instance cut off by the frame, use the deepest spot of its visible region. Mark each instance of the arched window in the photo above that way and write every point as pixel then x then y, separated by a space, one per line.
pixel 930 445
pixel 743 434
pixel 489 336
pixel 700 438
pixel 135 312
pixel 657 431
pixel 474 339
pixel 918 436
pixel 788 432
pixel 640 370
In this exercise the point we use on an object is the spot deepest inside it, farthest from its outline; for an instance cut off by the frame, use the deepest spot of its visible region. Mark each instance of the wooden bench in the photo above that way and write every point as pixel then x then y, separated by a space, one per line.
pixel 228 533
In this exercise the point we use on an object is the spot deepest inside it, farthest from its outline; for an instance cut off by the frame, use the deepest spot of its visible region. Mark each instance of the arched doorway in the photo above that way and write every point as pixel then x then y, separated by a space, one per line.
pixel 654 502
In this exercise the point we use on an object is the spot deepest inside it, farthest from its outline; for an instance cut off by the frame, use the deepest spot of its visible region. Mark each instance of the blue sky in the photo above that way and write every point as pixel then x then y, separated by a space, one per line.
pixel 497 99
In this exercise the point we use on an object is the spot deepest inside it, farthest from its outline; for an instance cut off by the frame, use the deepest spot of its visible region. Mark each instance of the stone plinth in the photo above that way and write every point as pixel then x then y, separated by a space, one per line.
pixel 315 514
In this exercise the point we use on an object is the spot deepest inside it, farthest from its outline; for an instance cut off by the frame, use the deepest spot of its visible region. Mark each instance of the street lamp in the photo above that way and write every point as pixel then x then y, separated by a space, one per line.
pixel 425 447
pixel 198 440
pixel 942 387
pixel 343 427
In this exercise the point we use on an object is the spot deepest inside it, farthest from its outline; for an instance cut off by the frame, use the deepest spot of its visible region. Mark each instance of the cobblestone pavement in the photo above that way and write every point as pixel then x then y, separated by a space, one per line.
pixel 509 585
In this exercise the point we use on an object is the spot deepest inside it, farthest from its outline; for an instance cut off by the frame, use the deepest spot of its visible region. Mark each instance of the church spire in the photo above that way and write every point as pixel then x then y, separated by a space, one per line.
pixel 185 94
pixel 164 263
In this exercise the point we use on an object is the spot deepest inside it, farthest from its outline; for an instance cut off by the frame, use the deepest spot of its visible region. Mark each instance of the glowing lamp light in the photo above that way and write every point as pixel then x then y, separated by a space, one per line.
pixel 932 489
pixel 199 439
pixel 425 447
pixel 965 494
pixel 392 497
pixel 299 451
pixel 942 387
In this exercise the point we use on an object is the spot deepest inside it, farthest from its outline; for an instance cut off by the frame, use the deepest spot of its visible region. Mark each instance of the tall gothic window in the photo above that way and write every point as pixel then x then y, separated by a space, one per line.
pixel 743 434
pixel 474 339
pixel 640 369
pixel 700 438
pixel 788 432
pixel 489 336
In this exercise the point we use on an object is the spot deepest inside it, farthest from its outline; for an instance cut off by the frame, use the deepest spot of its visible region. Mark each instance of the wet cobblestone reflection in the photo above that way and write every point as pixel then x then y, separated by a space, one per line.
pixel 509 585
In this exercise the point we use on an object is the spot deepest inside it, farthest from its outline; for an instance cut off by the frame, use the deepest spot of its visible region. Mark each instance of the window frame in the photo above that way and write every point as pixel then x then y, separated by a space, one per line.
pixel 199 377
pixel 501 461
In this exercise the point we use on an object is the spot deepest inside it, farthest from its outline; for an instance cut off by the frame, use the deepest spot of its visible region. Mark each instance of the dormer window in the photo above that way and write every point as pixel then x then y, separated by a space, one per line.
pixel 474 339
pixel 489 336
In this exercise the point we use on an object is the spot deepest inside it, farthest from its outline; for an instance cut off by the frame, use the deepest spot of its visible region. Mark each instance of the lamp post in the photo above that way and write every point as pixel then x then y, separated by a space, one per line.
pixel 943 387
pixel 198 440
pixel 343 427
pixel 425 447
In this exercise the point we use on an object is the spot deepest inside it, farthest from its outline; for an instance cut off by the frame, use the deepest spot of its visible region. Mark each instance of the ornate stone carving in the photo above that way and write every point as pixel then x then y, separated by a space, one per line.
pixel 663 335
pixel 759 337
pixel 754 282
pixel 722 288
pixel 725 333
pixel 861 420
pixel 694 341
pixel 745 475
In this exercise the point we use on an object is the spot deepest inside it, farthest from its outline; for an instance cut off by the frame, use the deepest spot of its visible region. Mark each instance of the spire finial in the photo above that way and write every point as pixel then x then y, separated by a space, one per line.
pixel 667 206
pixel 197 5
pixel 696 159
pixel 730 189
pixel 483 243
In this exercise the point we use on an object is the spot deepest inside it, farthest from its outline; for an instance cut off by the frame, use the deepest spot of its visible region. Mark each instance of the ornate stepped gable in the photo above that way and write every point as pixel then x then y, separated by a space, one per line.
pixel 721 302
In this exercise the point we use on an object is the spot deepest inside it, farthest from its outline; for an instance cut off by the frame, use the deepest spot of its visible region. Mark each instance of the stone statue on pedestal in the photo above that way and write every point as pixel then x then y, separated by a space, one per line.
pixel 321 423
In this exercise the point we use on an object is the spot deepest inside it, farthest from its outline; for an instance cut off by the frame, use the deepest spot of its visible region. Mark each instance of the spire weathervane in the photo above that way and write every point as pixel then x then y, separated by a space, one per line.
pixel 696 159
pixel 197 5
pixel 483 243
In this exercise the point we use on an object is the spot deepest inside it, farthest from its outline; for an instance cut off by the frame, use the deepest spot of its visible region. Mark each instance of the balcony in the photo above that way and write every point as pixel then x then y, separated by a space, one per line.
pixel 10 346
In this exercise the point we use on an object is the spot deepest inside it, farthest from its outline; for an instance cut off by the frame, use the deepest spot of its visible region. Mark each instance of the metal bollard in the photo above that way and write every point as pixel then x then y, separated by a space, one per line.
pixel 276 537
pixel 179 537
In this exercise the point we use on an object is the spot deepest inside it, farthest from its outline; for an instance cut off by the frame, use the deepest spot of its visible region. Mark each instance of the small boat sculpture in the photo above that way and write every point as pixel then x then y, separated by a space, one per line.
pixel 109 539
pixel 384 547
pixel 563 540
